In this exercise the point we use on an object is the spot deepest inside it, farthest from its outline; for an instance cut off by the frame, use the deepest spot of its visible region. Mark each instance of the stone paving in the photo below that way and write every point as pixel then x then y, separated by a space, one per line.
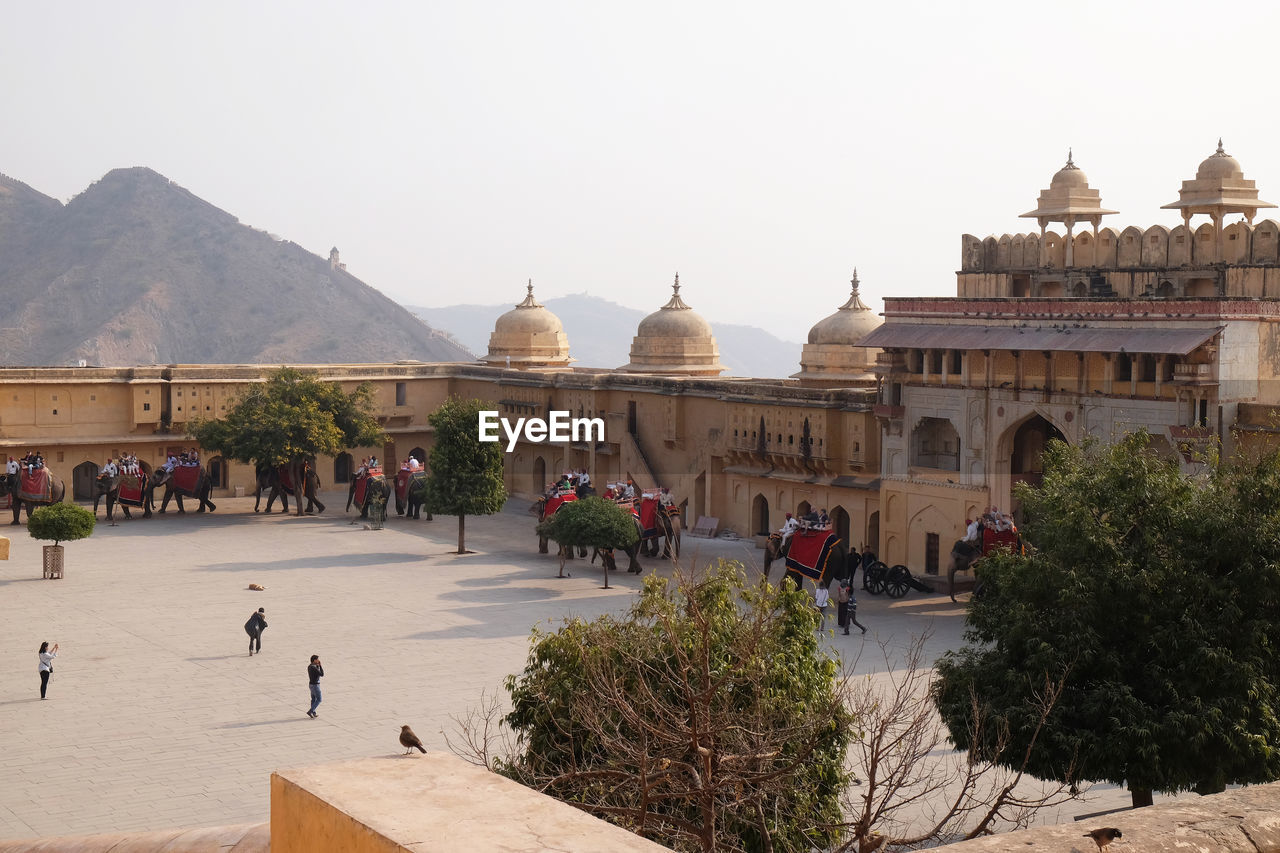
pixel 157 716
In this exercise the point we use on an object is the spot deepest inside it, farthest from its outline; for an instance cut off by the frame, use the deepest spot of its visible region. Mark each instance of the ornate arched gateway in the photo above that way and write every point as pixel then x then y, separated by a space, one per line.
pixel 1024 445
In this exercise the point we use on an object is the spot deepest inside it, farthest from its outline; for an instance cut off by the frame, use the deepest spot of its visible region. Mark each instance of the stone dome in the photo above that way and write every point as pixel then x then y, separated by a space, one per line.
pixel 1069 175
pixel 832 356
pixel 528 337
pixel 850 324
pixel 1220 164
pixel 675 339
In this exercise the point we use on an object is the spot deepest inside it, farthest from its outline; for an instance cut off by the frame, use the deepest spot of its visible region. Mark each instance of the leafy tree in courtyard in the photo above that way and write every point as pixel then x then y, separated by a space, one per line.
pixel 290 418
pixel 590 523
pixel 466 473
pixel 1157 593
pixel 61 522
pixel 708 718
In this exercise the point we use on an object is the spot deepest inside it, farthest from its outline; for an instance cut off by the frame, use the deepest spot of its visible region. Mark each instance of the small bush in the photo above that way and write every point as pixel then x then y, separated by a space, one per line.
pixel 61 523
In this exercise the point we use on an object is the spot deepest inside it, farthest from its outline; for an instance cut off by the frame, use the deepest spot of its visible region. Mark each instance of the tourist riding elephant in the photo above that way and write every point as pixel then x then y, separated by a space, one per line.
pixel 15 487
pixel 276 482
pixel 837 561
pixel 108 486
pixel 177 483
pixel 365 491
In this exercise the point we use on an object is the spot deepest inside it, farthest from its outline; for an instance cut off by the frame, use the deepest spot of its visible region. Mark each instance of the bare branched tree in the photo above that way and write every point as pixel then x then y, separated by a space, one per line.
pixel 918 792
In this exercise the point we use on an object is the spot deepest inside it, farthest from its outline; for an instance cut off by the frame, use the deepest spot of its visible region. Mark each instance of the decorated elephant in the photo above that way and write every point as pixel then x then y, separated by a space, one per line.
pixel 127 490
pixel 545 507
pixel 277 482
pixel 33 489
pixel 411 492
pixel 367 490
pixel 823 555
pixel 658 521
pixel 191 481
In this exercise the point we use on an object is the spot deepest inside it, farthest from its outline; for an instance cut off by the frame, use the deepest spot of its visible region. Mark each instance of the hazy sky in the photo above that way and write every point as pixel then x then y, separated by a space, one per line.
pixel 453 150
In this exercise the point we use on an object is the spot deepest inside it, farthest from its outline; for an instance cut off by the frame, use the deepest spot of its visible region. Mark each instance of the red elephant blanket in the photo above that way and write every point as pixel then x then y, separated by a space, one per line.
pixel 374 475
pixel 556 502
pixel 646 510
pixel 810 552
pixel 36 486
pixel 186 479
pixel 132 488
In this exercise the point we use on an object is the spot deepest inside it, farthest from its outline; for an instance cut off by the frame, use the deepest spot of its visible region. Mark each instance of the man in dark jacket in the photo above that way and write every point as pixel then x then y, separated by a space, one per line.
pixel 315 671
pixel 254 627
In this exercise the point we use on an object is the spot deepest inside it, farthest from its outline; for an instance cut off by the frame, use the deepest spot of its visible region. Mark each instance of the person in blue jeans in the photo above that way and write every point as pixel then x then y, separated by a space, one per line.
pixel 314 673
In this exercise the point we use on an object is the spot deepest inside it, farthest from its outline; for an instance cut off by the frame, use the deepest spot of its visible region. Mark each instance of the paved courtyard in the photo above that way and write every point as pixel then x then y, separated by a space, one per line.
pixel 157 717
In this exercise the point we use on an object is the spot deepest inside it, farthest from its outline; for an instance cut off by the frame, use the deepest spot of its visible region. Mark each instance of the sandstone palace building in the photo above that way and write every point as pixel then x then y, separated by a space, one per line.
pixel 901 429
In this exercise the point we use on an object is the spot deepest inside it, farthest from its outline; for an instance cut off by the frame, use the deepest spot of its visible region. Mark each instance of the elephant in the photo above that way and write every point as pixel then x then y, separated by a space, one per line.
pixel 411 493
pixel 963 556
pixel 376 488
pixel 167 478
pixel 837 562
pixel 107 486
pixel 667 528
pixel 12 486
pixel 539 508
pixel 271 479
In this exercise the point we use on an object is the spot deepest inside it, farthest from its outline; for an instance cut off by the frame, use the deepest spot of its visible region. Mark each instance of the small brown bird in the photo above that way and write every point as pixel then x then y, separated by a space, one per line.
pixel 409 740
pixel 1102 837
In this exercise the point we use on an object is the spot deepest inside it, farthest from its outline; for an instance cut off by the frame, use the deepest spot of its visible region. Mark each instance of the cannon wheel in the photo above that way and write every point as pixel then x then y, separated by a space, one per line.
pixel 873 577
pixel 897 581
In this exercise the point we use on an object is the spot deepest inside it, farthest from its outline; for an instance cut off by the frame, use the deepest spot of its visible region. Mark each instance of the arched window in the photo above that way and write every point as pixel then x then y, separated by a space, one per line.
pixel 935 444
pixel 218 472
pixel 342 468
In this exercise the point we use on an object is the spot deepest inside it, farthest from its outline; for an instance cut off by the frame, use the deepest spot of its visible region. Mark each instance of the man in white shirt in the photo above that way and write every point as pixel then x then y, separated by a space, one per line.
pixel 789 527
pixel 109 469
pixel 12 467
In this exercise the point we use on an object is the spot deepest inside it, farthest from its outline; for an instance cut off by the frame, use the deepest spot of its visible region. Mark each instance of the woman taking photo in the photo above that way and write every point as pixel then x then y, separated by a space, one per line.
pixel 46 665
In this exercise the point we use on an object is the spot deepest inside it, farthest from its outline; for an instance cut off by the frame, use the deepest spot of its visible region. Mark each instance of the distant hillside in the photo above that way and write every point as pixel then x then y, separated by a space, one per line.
pixel 600 334
pixel 137 270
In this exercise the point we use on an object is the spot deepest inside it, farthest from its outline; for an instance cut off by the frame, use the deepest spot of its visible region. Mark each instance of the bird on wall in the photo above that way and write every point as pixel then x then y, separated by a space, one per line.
pixel 410 741
pixel 1104 836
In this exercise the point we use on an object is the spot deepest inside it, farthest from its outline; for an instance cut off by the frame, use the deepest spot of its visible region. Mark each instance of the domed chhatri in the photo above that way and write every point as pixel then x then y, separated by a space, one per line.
pixel 1068 200
pixel 674 340
pixel 832 356
pixel 528 337
pixel 1219 188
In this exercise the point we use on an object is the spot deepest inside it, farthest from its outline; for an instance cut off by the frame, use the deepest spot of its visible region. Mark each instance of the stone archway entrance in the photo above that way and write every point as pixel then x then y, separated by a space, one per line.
pixel 760 516
pixel 539 484
pixel 1026 452
pixel 840 525
pixel 83 477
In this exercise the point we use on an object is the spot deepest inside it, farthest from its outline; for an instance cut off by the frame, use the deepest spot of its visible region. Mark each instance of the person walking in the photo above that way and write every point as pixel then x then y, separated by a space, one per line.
pixel 847 606
pixel 46 665
pixel 314 673
pixel 254 627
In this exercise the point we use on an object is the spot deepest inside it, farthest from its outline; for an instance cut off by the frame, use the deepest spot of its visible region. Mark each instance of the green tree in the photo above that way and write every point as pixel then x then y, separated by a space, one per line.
pixel 61 522
pixel 466 473
pixel 290 418
pixel 1157 594
pixel 707 718
pixel 590 523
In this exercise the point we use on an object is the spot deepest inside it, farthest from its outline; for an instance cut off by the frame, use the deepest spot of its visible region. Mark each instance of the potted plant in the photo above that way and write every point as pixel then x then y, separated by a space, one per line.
pixel 60 522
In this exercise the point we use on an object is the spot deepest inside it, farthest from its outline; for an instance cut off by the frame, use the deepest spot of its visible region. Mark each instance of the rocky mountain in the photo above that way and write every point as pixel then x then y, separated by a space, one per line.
pixel 600 334
pixel 137 270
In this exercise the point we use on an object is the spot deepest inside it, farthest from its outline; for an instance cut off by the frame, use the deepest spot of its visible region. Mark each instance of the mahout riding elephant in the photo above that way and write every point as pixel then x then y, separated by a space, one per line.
pixel 837 561
pixel 108 486
pixel 170 480
pixel 272 479
pixel 374 488
pixel 12 486
pixel 411 493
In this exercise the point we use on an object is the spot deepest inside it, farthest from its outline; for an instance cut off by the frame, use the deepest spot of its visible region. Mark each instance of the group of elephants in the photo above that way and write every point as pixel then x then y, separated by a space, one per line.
pixel 271 481
pixel 108 488
pixel 666 532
